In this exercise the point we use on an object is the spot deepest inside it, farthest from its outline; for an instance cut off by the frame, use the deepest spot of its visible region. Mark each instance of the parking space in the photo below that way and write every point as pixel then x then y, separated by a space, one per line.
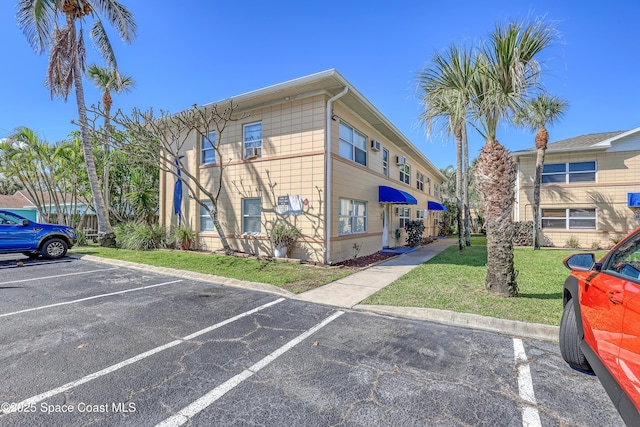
pixel 85 343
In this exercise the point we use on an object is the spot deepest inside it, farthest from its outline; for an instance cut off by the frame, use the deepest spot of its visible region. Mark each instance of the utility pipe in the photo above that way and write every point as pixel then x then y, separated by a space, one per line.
pixel 327 191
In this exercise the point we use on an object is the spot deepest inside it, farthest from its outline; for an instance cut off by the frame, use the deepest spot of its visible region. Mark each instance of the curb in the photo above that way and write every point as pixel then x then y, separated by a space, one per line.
pixel 201 277
pixel 466 320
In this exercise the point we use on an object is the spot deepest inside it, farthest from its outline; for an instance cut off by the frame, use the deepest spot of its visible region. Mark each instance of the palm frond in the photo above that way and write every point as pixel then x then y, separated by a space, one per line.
pixel 118 16
pixel 35 18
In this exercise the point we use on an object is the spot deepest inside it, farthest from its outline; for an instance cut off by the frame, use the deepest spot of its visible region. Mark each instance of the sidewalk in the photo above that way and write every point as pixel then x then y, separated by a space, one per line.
pixel 351 290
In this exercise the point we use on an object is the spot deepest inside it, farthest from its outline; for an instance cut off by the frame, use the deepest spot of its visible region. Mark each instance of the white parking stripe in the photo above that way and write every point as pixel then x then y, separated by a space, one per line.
pixel 59 275
pixel 40 397
pixel 188 412
pixel 89 298
pixel 530 415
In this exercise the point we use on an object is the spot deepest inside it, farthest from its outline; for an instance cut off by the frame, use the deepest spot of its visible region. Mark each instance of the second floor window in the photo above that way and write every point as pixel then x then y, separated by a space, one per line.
pixel 252 140
pixel 569 173
pixel 405 174
pixel 353 144
pixel 207 150
pixel 385 162
pixel 419 181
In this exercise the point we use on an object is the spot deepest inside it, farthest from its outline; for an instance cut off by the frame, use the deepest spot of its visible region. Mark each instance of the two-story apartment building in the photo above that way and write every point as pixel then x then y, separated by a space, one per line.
pixel 590 190
pixel 315 153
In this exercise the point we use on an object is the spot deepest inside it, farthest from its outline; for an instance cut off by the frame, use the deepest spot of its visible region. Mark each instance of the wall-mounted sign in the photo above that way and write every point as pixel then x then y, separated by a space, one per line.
pixel 289 205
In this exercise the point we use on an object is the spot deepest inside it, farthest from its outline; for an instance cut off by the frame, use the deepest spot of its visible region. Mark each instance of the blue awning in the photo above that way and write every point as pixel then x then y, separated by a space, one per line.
pixel 435 206
pixel 633 200
pixel 392 195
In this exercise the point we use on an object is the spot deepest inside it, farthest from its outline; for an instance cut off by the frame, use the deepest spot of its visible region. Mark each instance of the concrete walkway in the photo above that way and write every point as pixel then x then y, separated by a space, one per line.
pixel 349 291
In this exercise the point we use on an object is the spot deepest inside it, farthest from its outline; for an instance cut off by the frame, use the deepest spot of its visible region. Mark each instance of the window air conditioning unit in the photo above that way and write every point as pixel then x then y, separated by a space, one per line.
pixel 401 160
pixel 375 145
pixel 253 153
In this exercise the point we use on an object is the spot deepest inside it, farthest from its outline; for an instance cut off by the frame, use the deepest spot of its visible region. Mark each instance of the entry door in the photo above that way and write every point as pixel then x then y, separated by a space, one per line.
pixel 385 226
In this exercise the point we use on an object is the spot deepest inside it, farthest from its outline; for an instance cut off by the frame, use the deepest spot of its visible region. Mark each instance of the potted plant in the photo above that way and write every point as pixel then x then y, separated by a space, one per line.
pixel 182 236
pixel 284 237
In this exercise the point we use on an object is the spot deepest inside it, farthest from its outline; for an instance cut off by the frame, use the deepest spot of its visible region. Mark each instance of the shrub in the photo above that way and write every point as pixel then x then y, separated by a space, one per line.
pixel 415 229
pixel 572 242
pixel 181 237
pixel 284 235
pixel 81 238
pixel 139 236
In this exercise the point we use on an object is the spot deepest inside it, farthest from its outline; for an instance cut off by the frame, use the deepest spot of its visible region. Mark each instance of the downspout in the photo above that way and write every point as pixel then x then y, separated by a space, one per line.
pixel 327 192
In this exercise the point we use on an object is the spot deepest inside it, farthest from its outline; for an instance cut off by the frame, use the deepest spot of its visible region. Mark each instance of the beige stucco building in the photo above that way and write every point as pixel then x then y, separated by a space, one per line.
pixel 315 153
pixel 590 189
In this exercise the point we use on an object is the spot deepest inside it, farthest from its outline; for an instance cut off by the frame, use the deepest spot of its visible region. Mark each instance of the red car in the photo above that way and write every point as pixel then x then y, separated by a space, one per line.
pixel 600 326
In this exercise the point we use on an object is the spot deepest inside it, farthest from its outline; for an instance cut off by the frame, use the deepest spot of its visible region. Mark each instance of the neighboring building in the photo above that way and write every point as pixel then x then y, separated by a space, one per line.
pixel 590 188
pixel 302 143
pixel 20 204
pixel 23 204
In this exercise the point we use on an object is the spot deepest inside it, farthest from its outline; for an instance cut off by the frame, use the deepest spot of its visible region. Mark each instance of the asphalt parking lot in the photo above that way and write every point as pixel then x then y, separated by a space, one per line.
pixel 84 343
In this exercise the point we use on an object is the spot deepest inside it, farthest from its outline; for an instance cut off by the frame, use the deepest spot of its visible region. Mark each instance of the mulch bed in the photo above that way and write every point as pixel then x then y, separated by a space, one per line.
pixel 365 261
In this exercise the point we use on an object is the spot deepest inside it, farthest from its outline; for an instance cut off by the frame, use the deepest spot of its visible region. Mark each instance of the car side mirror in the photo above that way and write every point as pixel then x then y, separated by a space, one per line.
pixel 25 222
pixel 580 262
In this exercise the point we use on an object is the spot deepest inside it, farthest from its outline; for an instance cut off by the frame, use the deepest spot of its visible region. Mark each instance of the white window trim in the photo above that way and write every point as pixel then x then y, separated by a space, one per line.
pixel 206 215
pixel 248 151
pixel 385 163
pixel 353 146
pixel 245 215
pixel 353 218
pixel 203 149
pixel 419 181
pixel 405 171
pixel 567 219
pixel 405 216
pixel 567 174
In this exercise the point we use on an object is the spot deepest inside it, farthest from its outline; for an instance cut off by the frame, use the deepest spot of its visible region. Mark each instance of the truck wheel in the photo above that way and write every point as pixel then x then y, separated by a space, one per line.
pixel 54 249
pixel 569 341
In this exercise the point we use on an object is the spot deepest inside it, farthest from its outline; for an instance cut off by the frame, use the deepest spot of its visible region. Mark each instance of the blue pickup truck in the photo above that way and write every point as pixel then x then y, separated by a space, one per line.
pixel 20 235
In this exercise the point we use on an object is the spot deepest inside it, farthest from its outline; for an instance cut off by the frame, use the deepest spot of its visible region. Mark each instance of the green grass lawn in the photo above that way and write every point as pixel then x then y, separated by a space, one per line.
pixel 295 278
pixel 455 281
pixel 450 281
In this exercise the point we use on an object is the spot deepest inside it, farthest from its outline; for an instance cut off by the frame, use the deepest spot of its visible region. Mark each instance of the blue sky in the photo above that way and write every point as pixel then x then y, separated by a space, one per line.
pixel 203 51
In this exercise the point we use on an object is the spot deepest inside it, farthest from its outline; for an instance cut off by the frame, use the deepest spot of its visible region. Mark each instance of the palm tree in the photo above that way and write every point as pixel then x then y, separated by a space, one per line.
pixel 509 70
pixel 446 87
pixel 535 114
pixel 58 25
pixel 109 80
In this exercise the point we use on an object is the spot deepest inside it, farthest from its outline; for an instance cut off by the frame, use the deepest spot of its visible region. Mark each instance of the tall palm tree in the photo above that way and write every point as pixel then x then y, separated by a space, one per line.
pixel 446 90
pixel 108 80
pixel 536 114
pixel 57 25
pixel 509 70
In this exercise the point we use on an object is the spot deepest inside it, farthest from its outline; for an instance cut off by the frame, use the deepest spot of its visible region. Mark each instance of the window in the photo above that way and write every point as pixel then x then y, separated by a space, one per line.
pixel 251 216
pixel 352 217
pixel 252 140
pixel 419 214
pixel 429 185
pixel 206 223
pixel 569 219
pixel 405 216
pixel 405 174
pixel 436 190
pixel 207 150
pixel 385 162
pixel 353 144
pixel 419 181
pixel 569 173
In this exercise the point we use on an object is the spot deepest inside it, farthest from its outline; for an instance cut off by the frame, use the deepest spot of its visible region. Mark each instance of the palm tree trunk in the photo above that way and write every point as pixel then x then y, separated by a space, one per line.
pixel 107 138
pixel 465 187
pixel 495 175
pixel 105 231
pixel 536 197
pixel 461 244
